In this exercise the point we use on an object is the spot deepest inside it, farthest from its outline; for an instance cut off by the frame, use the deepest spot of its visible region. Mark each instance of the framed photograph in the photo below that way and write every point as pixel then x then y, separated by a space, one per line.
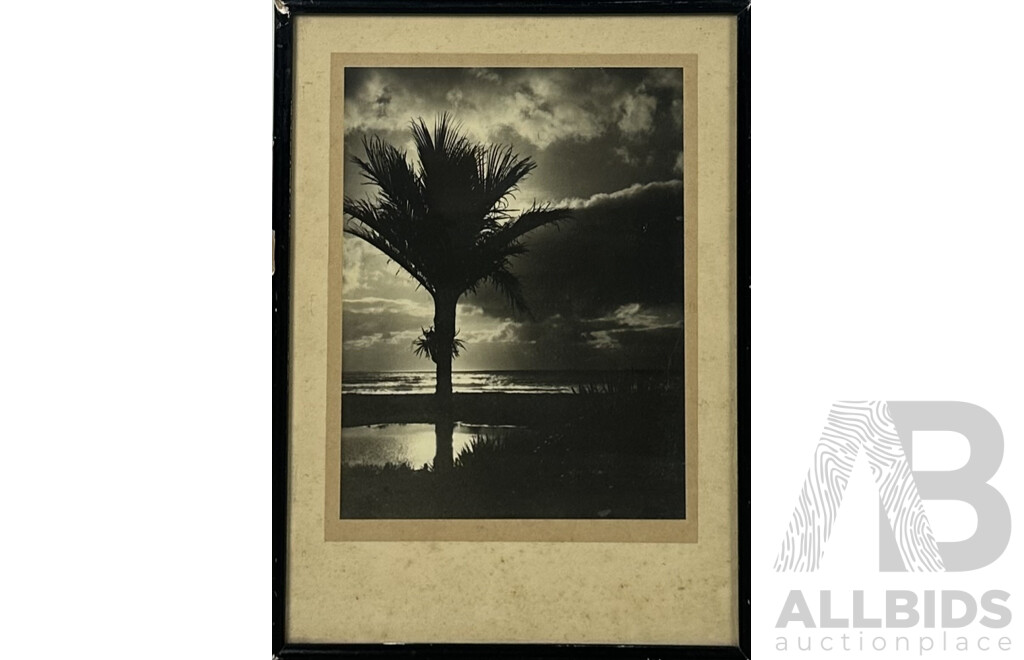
pixel 511 329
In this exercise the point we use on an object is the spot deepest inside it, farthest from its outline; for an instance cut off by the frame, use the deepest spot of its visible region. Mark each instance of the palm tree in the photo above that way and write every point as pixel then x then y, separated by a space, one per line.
pixel 446 221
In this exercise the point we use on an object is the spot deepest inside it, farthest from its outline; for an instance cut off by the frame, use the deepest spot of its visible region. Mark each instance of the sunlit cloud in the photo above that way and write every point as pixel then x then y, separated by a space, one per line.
pixel 540 106
pixel 635 190
pixel 399 338
pixel 637 114
pixel 379 306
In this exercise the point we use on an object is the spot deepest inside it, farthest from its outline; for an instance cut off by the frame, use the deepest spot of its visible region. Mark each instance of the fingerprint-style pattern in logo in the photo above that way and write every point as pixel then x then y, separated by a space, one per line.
pixel 853 425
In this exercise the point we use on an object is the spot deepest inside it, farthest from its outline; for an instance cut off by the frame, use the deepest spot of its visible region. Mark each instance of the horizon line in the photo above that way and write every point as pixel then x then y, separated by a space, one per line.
pixel 472 371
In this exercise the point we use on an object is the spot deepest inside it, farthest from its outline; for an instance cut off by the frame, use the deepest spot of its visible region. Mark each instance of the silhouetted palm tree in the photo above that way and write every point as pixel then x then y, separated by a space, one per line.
pixel 447 222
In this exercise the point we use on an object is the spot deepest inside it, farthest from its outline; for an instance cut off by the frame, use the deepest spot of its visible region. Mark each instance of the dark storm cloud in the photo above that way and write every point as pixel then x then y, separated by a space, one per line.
pixel 607 287
pixel 620 248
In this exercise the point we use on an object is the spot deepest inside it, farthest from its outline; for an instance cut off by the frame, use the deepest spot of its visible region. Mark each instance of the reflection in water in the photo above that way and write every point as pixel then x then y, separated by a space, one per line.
pixel 444 454
pixel 414 444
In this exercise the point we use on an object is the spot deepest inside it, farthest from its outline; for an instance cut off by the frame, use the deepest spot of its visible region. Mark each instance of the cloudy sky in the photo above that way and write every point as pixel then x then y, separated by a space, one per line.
pixel 605 289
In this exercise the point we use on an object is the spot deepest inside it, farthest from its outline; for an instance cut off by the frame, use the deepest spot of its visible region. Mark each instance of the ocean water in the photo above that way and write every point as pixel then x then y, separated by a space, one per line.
pixel 509 382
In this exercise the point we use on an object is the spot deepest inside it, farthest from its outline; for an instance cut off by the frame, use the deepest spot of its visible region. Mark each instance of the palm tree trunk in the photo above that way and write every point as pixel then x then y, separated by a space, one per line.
pixel 444 422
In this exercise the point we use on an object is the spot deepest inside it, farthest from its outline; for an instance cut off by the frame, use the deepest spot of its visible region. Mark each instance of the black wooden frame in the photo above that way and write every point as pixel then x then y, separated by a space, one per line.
pixel 285 11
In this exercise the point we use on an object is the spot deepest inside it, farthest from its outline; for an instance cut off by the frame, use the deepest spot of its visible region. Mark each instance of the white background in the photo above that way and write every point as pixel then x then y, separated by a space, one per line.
pixel 135 333
pixel 886 261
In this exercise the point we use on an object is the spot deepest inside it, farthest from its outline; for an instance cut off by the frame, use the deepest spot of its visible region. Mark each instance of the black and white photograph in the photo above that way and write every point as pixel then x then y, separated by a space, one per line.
pixel 513 335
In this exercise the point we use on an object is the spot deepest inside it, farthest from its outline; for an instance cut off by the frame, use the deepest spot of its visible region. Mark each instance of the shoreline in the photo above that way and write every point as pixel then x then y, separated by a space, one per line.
pixel 470 408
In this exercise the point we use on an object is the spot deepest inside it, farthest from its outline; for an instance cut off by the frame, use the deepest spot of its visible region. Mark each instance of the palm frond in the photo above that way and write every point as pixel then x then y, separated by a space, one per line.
pixel 447 153
pixel 535 217
pixel 508 285
pixel 446 219
pixel 366 213
pixel 431 345
pixel 495 248
pixel 500 170
pixel 448 176
pixel 366 232
pixel 387 168
pixel 513 249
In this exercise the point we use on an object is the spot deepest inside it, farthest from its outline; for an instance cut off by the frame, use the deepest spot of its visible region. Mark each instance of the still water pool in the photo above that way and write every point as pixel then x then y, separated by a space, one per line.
pixel 413 444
